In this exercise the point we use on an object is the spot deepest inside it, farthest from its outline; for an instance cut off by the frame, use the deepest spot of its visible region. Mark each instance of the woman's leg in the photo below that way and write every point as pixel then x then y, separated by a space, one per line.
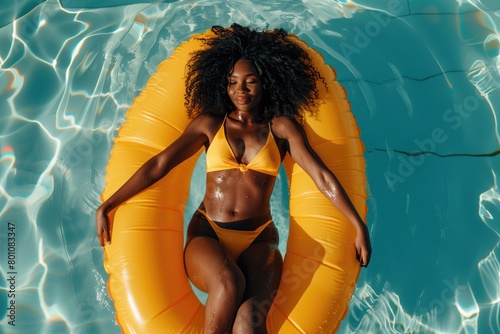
pixel 262 265
pixel 211 270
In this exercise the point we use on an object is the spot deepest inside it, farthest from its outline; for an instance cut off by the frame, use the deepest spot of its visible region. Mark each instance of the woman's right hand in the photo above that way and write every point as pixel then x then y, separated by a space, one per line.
pixel 363 245
pixel 102 225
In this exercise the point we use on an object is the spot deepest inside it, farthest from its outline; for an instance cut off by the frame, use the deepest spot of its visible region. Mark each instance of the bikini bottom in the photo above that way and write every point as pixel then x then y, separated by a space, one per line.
pixel 235 241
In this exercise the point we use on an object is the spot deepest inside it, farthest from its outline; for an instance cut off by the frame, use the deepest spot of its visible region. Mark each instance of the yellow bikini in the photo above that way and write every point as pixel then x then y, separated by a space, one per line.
pixel 235 241
pixel 220 156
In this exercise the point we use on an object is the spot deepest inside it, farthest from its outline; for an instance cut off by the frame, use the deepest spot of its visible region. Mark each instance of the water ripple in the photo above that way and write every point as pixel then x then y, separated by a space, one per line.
pixel 68 75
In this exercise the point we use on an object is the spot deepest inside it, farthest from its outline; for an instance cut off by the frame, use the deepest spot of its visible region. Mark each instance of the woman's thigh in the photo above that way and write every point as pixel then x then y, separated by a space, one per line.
pixel 207 263
pixel 262 264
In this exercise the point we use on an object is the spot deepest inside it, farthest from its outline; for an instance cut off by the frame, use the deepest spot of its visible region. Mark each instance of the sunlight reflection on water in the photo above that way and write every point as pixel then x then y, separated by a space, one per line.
pixel 424 90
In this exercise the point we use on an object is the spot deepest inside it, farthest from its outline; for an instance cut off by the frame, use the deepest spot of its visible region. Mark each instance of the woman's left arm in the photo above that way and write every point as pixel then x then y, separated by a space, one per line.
pixel 326 181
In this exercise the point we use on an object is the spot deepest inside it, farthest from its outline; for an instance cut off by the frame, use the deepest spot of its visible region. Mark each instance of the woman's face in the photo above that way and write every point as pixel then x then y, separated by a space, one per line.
pixel 244 86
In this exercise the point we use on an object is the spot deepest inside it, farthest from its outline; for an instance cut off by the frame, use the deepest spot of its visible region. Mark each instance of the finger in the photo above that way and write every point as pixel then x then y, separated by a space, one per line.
pixel 104 237
pixel 108 238
pixel 366 258
pixel 100 237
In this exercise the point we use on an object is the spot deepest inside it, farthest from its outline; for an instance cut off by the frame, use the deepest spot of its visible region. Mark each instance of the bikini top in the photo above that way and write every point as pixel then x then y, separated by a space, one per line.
pixel 220 155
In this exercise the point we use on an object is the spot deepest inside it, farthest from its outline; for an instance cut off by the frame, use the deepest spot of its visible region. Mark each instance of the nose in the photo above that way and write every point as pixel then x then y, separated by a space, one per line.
pixel 241 87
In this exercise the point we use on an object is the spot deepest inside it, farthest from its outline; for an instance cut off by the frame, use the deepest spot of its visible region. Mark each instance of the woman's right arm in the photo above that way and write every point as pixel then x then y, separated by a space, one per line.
pixel 190 141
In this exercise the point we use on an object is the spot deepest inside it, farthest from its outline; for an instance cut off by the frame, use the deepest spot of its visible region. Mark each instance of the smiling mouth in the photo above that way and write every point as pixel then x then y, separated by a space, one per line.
pixel 243 100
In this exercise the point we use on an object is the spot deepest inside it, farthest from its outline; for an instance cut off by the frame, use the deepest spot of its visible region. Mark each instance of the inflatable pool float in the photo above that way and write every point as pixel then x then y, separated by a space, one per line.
pixel 147 280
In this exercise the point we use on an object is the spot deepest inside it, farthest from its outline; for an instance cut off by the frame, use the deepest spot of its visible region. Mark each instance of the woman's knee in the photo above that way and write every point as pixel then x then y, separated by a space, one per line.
pixel 251 316
pixel 228 282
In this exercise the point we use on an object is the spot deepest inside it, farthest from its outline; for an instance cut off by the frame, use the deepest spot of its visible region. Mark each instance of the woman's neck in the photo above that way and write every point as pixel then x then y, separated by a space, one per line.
pixel 247 117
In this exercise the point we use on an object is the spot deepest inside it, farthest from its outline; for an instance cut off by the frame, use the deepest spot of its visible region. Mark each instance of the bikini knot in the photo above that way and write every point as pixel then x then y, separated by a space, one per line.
pixel 243 168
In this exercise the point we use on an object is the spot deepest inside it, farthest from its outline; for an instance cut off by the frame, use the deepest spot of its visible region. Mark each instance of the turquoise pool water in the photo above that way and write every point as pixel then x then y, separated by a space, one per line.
pixel 423 80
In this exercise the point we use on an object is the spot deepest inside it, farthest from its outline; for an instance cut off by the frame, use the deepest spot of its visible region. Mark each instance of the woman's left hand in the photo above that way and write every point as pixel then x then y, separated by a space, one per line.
pixel 363 246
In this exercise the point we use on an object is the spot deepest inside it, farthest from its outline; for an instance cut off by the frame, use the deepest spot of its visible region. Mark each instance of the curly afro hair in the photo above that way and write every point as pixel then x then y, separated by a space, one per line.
pixel 287 73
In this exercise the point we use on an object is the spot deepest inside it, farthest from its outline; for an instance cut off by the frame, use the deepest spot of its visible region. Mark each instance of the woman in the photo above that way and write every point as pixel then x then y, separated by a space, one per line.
pixel 245 93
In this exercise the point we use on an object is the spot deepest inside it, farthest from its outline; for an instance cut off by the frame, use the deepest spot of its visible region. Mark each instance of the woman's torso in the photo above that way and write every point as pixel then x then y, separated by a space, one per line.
pixel 235 193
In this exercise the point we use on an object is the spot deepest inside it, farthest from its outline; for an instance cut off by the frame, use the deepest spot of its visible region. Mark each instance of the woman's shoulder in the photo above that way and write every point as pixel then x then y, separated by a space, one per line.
pixel 283 125
pixel 206 123
pixel 207 119
pixel 283 120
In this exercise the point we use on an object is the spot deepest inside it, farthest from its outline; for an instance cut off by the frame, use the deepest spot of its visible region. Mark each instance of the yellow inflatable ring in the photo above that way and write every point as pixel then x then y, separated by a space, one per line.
pixel 147 280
